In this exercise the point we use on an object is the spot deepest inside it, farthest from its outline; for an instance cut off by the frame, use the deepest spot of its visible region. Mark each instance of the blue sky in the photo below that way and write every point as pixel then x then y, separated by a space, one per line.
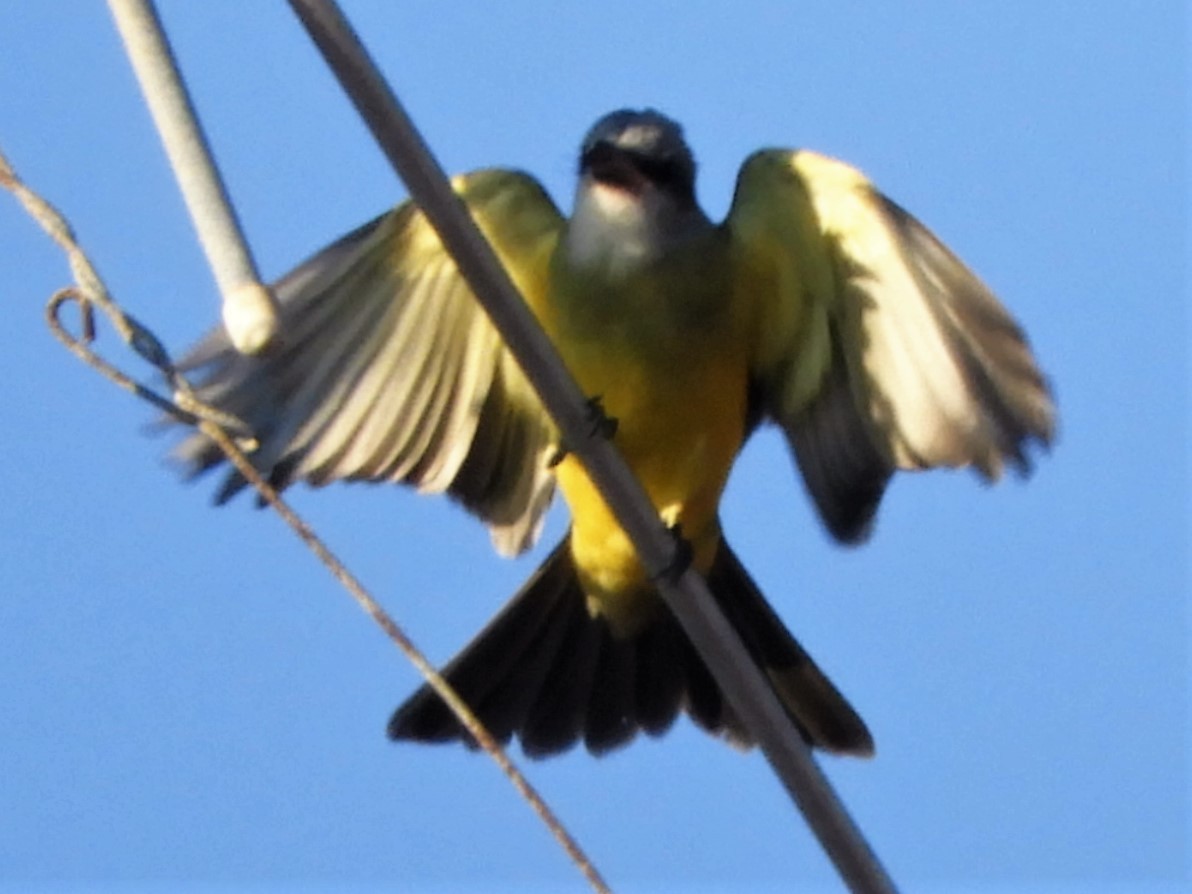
pixel 189 699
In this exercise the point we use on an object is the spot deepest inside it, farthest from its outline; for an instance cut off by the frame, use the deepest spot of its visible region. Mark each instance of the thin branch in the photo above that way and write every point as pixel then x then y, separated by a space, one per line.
pixel 249 308
pixel 688 595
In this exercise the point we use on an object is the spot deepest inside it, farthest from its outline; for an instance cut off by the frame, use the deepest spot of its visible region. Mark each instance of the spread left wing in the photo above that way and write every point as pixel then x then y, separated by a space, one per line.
pixel 388 369
pixel 875 347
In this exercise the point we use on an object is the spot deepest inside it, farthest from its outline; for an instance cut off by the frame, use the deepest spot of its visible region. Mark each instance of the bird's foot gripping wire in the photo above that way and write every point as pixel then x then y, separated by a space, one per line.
pixel 600 425
pixel 680 560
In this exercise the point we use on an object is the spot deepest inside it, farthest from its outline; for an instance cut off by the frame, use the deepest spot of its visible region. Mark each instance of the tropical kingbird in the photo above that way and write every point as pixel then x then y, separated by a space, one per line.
pixel 818 304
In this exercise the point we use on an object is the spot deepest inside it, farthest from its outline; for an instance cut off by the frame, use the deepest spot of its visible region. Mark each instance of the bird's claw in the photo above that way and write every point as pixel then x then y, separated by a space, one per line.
pixel 680 559
pixel 600 425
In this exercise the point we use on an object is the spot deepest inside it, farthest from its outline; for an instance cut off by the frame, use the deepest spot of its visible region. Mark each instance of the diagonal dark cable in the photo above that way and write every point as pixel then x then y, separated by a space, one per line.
pixel 688 595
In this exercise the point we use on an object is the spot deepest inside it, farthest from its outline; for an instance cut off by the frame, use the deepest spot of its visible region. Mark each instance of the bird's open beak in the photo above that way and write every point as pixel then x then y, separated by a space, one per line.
pixel 615 167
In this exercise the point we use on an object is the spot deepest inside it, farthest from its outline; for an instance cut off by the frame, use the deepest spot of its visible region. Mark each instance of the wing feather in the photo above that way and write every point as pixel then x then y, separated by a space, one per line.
pixel 877 349
pixel 388 369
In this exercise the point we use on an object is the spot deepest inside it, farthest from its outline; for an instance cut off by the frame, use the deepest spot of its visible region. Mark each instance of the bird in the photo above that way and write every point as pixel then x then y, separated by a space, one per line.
pixel 818 305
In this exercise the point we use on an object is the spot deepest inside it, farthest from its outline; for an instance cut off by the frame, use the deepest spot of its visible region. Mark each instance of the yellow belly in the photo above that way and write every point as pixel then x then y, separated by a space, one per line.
pixel 680 413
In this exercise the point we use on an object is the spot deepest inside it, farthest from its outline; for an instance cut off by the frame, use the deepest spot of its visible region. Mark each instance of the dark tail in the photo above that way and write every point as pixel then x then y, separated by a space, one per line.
pixel 548 671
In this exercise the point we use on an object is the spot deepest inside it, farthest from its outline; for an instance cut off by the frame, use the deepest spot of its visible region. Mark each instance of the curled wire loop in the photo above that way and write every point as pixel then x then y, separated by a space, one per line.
pixel 185 405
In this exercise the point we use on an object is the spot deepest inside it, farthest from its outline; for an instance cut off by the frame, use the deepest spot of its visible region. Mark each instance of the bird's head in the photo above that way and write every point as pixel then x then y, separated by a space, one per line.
pixel 639 151
pixel 636 194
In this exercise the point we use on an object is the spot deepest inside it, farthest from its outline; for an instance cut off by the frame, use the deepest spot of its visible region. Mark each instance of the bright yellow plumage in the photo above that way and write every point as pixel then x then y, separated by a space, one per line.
pixel 666 352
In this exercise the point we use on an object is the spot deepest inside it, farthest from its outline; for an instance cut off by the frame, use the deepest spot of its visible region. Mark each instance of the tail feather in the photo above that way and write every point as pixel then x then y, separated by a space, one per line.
pixel 661 676
pixel 824 716
pixel 704 703
pixel 613 702
pixel 546 670
pixel 508 699
pixel 557 715
pixel 500 672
